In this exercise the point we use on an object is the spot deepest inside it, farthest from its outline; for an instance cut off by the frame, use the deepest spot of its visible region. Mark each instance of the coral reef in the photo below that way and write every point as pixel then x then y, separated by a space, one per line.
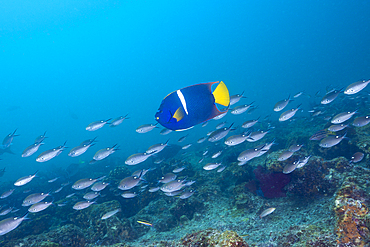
pixel 271 184
pixel 213 238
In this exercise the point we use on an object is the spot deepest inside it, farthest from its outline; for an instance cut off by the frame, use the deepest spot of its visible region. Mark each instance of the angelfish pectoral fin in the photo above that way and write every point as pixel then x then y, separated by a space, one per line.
pixel 221 94
pixel 179 114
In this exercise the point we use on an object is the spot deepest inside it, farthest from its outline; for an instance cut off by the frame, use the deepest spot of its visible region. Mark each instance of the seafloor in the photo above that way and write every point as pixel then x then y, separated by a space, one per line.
pixel 324 203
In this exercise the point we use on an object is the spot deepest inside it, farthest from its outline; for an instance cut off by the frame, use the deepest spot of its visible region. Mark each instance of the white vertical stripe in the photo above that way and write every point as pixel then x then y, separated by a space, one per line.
pixel 183 102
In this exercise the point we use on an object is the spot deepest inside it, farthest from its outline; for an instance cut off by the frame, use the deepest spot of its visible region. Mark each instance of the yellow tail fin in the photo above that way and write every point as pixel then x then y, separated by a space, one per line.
pixel 179 114
pixel 221 94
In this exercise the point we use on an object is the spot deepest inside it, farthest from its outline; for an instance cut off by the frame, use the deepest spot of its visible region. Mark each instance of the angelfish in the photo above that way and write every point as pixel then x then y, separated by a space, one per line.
pixel 189 106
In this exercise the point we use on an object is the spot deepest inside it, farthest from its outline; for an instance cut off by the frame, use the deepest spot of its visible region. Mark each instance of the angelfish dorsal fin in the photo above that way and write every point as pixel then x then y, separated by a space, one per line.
pixel 179 114
pixel 221 94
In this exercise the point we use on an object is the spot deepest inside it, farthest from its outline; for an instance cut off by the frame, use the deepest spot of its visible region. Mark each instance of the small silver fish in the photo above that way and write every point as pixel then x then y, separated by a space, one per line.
pixel 236 139
pixel 295 147
pixel 110 214
pixel 25 180
pixel 220 125
pixel 267 212
pixel 129 182
pixel 146 128
pixel 154 189
pixel 83 183
pixel 91 195
pixel 34 198
pixel 117 121
pixel 10 224
pixel 82 205
pixel 186 194
pixel 179 169
pixel 236 98
pixel 216 155
pixel 7 193
pixel 303 162
pixel 137 158
pixel 186 146
pixel 288 168
pixel 201 140
pixel 31 149
pixel 286 154
pixel 331 141
pixel 357 157
pixel 219 134
pixel 173 186
pixel 361 121
pixel 97 125
pixel 280 105
pixel 9 139
pixel 168 177
pixel 356 87
pixel 240 109
pixel 40 206
pixel 330 97
pixel 257 135
pixel 99 186
pixel 156 148
pixel 79 150
pixel 105 152
pixel 128 195
pixel 211 166
pixel 337 127
pixel 342 117
pixel 249 123
pixel 220 116
pixel 40 138
pixel 88 142
pixel 53 180
pixel 288 114
pixel 248 154
pixel 165 131
pixel 49 154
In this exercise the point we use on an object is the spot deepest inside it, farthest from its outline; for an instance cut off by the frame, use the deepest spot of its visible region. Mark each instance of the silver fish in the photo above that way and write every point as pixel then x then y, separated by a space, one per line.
pixel 361 121
pixel 342 117
pixel 128 194
pixel 168 177
pixel 129 182
pixel 288 168
pixel 220 116
pixel 295 147
pixel 356 87
pixel 154 189
pixel 82 205
pixel 219 134
pixel 49 154
pixel 97 125
pixel 357 157
pixel 25 180
pixel 216 155
pixel 181 139
pixel 40 206
pixel 220 125
pixel 137 158
pixel 221 169
pixel 58 190
pixel 248 154
pixel 10 224
pixel 7 193
pixel 240 109
pixel 337 127
pixel 34 198
pixel 165 131
pixel 83 183
pixel 282 104
pixel 117 121
pixel 31 149
pixel 257 135
pixel 40 138
pixel 99 186
pixel 173 193
pixel 180 169
pixel 236 139
pixel 146 128
pixel 286 154
pixel 6 211
pixel 110 214
pixel 88 142
pixel 211 166
pixel 267 212
pixel 235 98
pixel 186 146
pixel 105 152
pixel 53 180
pixel 186 194
pixel 9 139
pixel 298 94
pixel 330 97
pixel 249 123
pixel 331 141
pixel 173 186
pixel 303 162
pixel 77 151
pixel 288 114
pixel 156 148
pixel 91 195
pixel 201 140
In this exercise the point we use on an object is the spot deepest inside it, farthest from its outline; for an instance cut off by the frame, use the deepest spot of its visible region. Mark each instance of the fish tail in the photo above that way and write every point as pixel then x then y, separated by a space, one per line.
pixel 221 94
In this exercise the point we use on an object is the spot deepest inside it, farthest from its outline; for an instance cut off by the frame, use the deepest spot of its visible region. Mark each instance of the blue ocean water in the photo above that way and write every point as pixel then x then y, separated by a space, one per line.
pixel 65 64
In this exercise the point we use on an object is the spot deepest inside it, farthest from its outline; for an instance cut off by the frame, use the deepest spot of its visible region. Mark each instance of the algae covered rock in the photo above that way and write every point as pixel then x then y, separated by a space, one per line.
pixel 213 238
